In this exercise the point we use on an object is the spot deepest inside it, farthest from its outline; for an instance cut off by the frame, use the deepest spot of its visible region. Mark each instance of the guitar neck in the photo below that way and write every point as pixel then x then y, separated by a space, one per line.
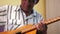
pixel 47 22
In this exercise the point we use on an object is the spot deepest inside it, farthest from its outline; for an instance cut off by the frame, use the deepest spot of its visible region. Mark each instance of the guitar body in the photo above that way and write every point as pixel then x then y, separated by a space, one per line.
pixel 20 29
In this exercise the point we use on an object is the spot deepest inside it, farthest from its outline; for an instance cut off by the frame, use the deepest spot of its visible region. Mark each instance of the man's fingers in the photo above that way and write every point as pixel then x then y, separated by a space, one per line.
pixel 43 22
pixel 39 26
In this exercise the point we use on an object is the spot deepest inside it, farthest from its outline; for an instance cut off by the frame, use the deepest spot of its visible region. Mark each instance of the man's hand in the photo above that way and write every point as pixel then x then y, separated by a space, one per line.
pixel 41 26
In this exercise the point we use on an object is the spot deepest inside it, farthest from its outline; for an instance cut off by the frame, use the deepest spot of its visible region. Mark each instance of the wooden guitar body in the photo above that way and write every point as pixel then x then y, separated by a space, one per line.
pixel 21 29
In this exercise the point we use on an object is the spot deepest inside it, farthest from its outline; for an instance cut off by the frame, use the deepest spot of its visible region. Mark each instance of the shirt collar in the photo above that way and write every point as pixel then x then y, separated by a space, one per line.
pixel 33 14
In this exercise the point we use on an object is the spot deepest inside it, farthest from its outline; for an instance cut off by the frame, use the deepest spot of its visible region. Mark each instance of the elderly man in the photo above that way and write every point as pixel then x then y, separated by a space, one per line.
pixel 24 14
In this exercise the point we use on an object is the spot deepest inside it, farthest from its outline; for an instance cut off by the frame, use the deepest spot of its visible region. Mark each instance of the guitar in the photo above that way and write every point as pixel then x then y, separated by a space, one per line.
pixel 30 29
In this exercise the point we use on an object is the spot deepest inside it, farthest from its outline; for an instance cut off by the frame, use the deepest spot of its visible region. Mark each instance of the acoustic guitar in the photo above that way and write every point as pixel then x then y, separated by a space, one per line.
pixel 30 29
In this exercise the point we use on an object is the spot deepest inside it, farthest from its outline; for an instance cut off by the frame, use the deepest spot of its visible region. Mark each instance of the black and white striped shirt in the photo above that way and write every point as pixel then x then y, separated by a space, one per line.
pixel 17 18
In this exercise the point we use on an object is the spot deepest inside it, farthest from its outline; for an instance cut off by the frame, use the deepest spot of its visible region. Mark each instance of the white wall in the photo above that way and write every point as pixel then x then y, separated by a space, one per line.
pixel 53 10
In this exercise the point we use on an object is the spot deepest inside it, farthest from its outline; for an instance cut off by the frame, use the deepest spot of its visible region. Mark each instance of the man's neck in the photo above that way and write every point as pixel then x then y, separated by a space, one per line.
pixel 27 12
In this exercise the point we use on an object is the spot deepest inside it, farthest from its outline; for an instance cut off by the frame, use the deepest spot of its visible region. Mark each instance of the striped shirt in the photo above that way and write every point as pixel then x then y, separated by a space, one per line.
pixel 17 18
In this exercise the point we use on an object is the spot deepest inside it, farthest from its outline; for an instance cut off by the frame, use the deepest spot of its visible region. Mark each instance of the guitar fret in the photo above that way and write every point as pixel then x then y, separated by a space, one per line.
pixel 52 20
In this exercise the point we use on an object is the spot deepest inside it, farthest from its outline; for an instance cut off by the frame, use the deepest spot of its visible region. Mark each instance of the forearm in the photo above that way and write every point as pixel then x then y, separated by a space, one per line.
pixel 41 32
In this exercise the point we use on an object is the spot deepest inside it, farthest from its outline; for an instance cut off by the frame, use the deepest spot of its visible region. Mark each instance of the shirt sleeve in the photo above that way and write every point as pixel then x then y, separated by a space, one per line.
pixel 39 17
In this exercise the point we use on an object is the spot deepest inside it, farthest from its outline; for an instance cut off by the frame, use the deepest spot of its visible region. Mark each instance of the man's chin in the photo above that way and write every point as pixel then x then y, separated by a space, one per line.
pixel 27 10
